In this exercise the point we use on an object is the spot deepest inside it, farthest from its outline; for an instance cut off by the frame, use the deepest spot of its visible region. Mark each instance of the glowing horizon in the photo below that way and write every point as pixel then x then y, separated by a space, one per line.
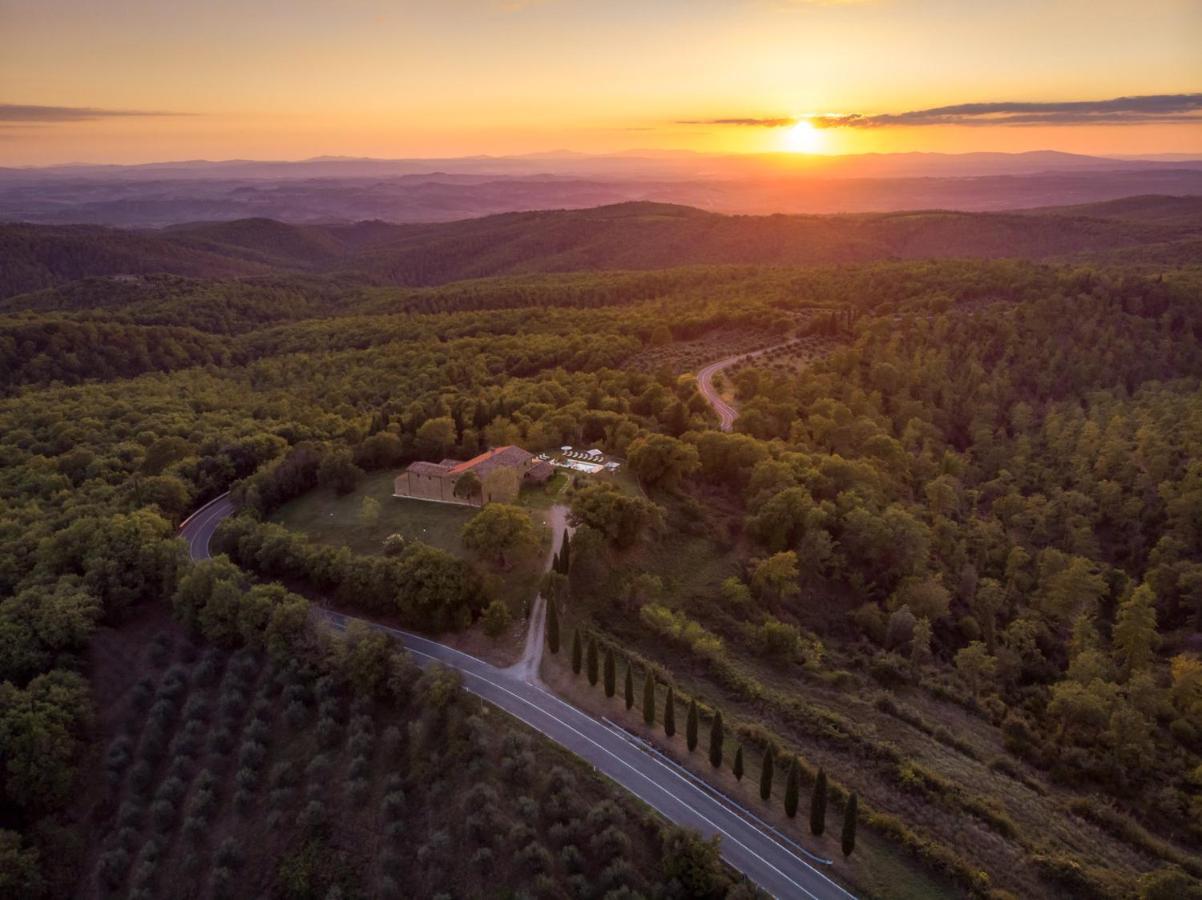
pixel 134 81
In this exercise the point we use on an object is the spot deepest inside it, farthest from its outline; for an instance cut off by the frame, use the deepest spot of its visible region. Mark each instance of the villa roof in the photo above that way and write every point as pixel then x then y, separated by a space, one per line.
pixel 428 468
pixel 508 455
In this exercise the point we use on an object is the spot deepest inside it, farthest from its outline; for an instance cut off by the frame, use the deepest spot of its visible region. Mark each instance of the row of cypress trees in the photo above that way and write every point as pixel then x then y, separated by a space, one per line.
pixel 586 656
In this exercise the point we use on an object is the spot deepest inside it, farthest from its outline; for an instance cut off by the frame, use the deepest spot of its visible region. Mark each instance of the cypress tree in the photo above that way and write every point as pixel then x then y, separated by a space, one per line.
pixel 792 788
pixel 590 661
pixel 818 805
pixel 609 672
pixel 552 625
pixel 670 713
pixel 766 774
pixel 555 562
pixel 629 686
pixel 691 727
pixel 565 553
pixel 849 825
pixel 649 699
pixel 576 652
pixel 737 768
pixel 717 736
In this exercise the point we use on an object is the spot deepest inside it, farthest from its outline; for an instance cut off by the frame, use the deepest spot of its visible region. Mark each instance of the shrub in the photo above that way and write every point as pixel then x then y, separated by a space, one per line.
pixel 314 815
pixel 142 695
pixel 246 778
pixel 202 803
pixel 232 704
pixel 393 804
pixel 357 788
pixel 222 883
pixel 112 866
pixel 196 709
pixel 396 830
pixel 609 843
pixel 174 683
pixel 325 688
pixel 256 731
pixel 171 789
pixel 295 714
pixel 283 774
pixel 204 673
pixel 251 755
pixel 572 858
pixel 535 858
pixel 221 741
pixel 496 618
pixel 189 740
pixel 517 768
pixel 145 873
pixel 162 814
pixel 482 859
pixel 526 808
pixel 327 732
pixel 194 829
pixel 228 855
pixel 139 776
pixel 317 766
pixel 296 693
pixel 130 814
pixel 618 874
pixel 360 743
pixel 154 742
pixel 390 861
pixel 118 758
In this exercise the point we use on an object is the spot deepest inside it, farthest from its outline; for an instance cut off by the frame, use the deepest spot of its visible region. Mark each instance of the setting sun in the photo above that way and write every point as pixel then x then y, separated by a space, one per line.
pixel 804 137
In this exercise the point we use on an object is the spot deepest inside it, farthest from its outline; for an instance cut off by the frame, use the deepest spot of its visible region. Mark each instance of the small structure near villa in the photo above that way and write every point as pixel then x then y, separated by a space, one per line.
pixel 494 476
pixel 590 462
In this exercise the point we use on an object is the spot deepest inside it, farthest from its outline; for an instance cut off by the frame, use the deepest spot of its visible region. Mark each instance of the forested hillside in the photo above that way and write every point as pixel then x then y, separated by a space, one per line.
pixel 951 559
pixel 623 236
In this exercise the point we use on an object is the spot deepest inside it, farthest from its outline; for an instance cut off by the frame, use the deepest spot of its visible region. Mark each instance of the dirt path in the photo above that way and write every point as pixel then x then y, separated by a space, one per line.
pixel 526 668
pixel 705 383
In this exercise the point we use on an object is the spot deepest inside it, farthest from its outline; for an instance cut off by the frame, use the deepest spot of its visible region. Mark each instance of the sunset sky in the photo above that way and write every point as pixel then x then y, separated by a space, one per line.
pixel 143 80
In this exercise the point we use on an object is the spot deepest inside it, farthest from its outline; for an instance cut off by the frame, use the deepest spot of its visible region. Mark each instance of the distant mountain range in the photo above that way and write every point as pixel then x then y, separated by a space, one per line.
pixel 624 236
pixel 337 189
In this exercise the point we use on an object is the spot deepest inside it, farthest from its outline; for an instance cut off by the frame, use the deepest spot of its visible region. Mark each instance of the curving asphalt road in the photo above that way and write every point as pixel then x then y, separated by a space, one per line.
pixel 705 383
pixel 774 863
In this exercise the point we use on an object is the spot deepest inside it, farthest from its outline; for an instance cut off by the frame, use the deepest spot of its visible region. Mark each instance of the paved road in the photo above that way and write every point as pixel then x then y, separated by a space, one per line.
pixel 767 860
pixel 705 383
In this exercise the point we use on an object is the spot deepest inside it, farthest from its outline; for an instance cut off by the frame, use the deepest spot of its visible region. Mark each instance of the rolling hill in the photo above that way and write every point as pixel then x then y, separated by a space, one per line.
pixel 622 236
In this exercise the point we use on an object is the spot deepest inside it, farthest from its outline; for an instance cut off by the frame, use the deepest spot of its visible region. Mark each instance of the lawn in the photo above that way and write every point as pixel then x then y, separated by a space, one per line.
pixel 329 519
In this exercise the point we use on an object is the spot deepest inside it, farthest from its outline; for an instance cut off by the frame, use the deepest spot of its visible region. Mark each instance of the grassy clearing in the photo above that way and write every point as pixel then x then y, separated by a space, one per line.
pixel 329 519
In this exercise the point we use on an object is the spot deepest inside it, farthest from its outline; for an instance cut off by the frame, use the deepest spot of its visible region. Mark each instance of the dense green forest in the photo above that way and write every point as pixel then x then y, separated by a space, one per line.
pixel 955 563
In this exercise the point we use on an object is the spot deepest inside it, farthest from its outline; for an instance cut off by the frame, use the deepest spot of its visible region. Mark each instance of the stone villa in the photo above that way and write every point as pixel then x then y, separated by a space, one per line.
pixel 499 472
